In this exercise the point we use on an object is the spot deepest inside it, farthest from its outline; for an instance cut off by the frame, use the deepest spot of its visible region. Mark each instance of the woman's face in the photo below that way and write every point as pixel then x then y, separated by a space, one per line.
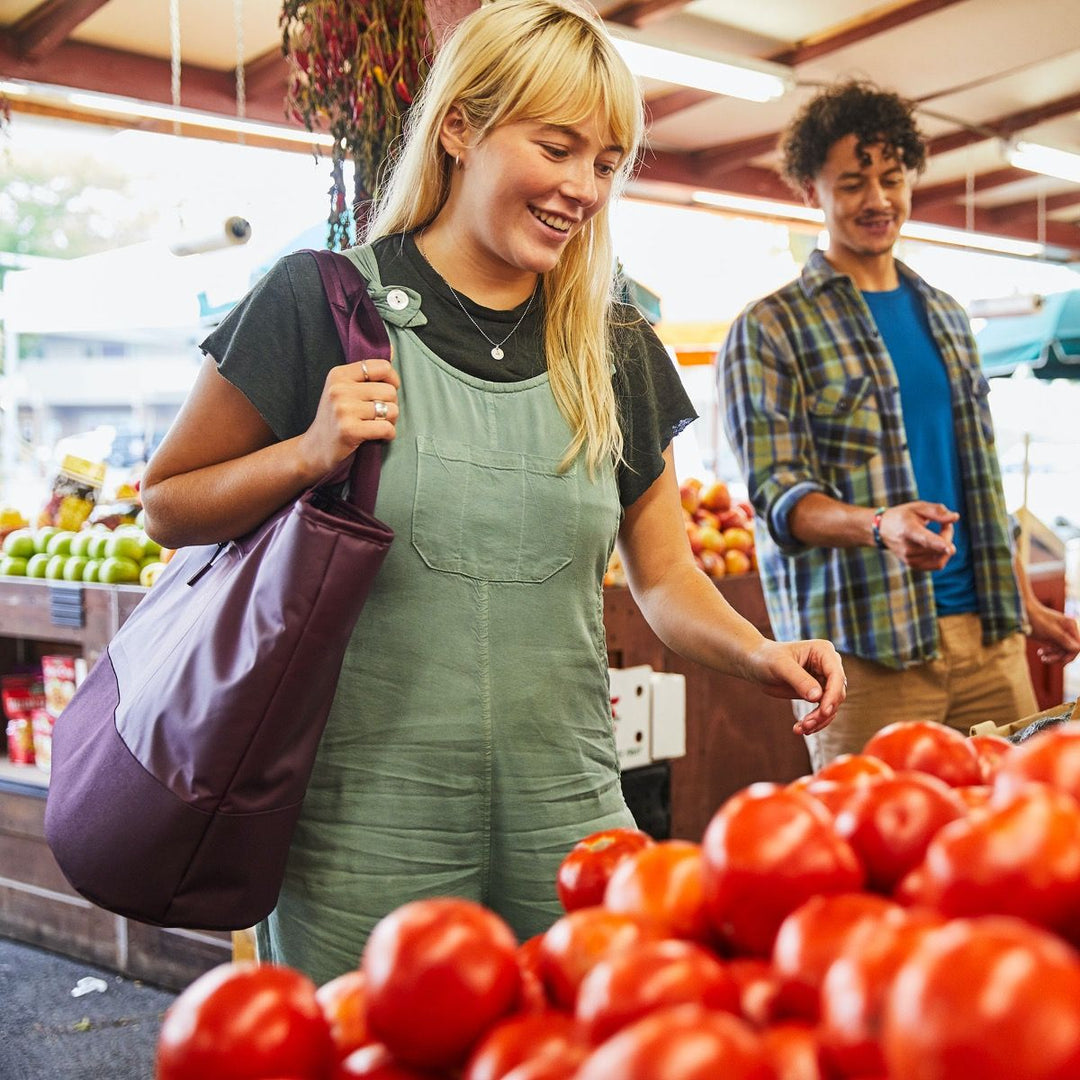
pixel 528 187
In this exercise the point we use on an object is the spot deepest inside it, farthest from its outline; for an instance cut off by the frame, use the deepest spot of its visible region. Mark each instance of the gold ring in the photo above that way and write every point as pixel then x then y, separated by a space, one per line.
pixel 380 410
pixel 363 368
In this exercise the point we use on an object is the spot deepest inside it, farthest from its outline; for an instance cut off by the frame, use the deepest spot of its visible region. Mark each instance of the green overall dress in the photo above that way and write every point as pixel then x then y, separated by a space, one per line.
pixel 470 743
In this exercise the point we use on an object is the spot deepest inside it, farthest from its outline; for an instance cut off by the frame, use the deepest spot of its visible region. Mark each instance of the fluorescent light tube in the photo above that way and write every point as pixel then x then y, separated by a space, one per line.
pixel 751 81
pixel 1044 159
pixel 149 110
pixel 911 230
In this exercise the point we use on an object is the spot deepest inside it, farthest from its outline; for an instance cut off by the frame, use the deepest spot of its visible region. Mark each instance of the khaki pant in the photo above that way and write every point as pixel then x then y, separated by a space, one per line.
pixel 969 683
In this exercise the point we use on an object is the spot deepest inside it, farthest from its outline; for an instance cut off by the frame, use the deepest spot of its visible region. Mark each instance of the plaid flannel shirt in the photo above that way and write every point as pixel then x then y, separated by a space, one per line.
pixel 811 402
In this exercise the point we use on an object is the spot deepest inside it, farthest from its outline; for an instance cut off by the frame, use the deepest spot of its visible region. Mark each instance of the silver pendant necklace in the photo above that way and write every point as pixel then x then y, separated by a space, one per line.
pixel 496 346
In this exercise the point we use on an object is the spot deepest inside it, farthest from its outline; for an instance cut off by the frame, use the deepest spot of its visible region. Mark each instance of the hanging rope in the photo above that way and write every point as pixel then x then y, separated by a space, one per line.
pixel 174 57
pixel 241 86
pixel 969 201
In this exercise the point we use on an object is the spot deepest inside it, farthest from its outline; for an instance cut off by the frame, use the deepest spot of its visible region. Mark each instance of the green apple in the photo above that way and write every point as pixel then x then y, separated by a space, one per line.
pixel 35 565
pixel 140 518
pixel 90 570
pixel 13 565
pixel 152 546
pixel 54 568
pixel 117 570
pixel 73 568
pixel 150 572
pixel 60 543
pixel 42 537
pixel 80 543
pixel 96 548
pixel 125 545
pixel 20 543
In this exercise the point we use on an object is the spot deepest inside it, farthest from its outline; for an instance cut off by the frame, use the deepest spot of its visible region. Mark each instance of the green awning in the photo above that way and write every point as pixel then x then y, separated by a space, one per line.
pixel 1047 340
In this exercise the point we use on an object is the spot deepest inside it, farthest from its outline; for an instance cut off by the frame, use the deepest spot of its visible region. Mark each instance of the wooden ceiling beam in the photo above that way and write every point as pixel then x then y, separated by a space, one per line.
pixel 112 71
pixel 642 12
pixel 44 28
pixel 951 190
pixel 1028 209
pixel 1004 126
pixel 765 184
pixel 267 74
pixel 859 29
pixel 836 38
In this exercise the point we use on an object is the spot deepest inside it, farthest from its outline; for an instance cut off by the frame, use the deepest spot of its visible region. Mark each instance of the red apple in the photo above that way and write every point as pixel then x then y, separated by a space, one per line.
pixel 690 494
pixel 716 497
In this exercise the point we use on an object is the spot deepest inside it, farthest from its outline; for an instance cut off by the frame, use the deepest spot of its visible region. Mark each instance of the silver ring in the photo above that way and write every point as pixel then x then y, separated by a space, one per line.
pixel 363 368
pixel 380 410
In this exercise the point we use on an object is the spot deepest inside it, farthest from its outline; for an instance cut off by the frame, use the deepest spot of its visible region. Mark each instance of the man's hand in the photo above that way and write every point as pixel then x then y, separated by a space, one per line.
pixel 906 533
pixel 810 670
pixel 1056 633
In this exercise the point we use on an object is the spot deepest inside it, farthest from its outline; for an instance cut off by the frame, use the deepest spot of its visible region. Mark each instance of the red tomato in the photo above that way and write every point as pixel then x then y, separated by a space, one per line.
pixel 766 850
pixel 990 998
pixel 974 796
pixel 533 995
pixel 991 750
pixel 855 769
pixel 245 1021
pixel 519 1039
pixel 439 973
pixel 1018 857
pixel 927 747
pixel 854 989
pixel 344 1005
pixel 663 882
pixel 890 824
pixel 583 875
pixel 559 1065
pixel 794 1051
pixel 1052 756
pixel 834 795
pixel 580 940
pixel 681 1043
pixel 626 987
pixel 377 1063
pixel 760 1001
pixel 814 934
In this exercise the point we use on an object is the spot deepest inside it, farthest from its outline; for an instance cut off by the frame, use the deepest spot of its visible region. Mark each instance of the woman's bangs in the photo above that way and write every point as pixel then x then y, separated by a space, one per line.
pixel 572 89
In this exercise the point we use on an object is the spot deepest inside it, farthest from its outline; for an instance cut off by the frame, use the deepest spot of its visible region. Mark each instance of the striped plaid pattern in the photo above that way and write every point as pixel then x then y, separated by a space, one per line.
pixel 811 402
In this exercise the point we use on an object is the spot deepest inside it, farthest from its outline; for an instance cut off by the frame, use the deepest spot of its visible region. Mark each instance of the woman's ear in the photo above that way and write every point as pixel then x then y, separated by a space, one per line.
pixel 454 133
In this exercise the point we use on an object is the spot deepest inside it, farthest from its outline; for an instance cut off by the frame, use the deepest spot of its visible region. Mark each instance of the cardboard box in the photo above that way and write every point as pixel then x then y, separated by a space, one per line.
pixel 668 720
pixel 631 710
pixel 1067 712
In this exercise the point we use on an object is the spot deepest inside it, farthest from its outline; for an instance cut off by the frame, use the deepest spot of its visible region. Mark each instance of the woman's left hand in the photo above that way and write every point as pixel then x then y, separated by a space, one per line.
pixel 810 670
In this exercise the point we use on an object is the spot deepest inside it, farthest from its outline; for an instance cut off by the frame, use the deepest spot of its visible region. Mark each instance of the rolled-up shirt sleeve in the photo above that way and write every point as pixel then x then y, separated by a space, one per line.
pixel 766 424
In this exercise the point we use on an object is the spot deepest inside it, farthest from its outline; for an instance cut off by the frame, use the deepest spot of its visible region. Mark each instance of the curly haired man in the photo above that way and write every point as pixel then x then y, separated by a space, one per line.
pixel 855 401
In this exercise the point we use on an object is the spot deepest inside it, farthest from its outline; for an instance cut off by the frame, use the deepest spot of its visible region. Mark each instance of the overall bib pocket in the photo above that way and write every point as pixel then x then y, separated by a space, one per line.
pixel 492 515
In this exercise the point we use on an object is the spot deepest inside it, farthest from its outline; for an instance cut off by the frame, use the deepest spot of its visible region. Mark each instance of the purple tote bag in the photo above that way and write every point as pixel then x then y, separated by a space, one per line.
pixel 180 765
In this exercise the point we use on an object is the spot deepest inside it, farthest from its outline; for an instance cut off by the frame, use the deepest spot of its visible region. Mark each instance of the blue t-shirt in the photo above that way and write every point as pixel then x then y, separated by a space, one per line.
pixel 926 401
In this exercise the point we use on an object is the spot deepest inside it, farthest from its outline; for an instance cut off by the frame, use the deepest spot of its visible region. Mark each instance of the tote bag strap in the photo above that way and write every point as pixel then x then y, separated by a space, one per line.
pixel 363 337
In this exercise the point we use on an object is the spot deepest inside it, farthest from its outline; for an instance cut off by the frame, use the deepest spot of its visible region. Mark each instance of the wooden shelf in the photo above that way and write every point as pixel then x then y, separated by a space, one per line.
pixel 36 903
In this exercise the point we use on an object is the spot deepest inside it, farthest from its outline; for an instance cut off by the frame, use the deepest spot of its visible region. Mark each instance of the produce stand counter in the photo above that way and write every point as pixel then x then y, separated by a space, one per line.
pixel 734 735
pixel 36 904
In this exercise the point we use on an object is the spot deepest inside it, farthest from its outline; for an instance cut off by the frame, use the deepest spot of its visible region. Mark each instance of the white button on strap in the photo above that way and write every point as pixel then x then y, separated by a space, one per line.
pixel 398 299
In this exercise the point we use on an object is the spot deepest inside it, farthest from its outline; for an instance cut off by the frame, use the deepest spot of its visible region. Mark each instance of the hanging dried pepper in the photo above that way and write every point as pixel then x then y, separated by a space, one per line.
pixel 354 69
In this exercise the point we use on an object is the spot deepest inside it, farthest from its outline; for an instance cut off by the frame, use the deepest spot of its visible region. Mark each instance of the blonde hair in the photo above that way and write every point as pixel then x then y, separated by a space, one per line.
pixel 533 60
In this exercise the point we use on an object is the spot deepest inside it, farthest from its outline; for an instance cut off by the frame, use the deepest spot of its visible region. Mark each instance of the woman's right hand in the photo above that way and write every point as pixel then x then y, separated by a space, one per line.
pixel 352 397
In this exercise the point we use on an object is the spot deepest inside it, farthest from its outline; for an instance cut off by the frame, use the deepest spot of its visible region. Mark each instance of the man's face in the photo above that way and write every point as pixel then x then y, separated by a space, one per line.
pixel 864 201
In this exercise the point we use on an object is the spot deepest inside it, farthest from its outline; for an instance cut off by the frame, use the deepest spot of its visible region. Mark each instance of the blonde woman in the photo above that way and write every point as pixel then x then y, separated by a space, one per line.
pixel 527 421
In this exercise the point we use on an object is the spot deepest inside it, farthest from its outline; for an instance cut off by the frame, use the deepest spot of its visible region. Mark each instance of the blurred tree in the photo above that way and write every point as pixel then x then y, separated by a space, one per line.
pixel 65 209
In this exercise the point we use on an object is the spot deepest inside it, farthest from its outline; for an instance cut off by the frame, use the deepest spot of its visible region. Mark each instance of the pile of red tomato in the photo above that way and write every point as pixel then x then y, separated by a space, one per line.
pixel 908 913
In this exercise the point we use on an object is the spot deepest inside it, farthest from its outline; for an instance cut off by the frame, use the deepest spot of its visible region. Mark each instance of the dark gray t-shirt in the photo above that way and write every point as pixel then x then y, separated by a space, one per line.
pixel 279 342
